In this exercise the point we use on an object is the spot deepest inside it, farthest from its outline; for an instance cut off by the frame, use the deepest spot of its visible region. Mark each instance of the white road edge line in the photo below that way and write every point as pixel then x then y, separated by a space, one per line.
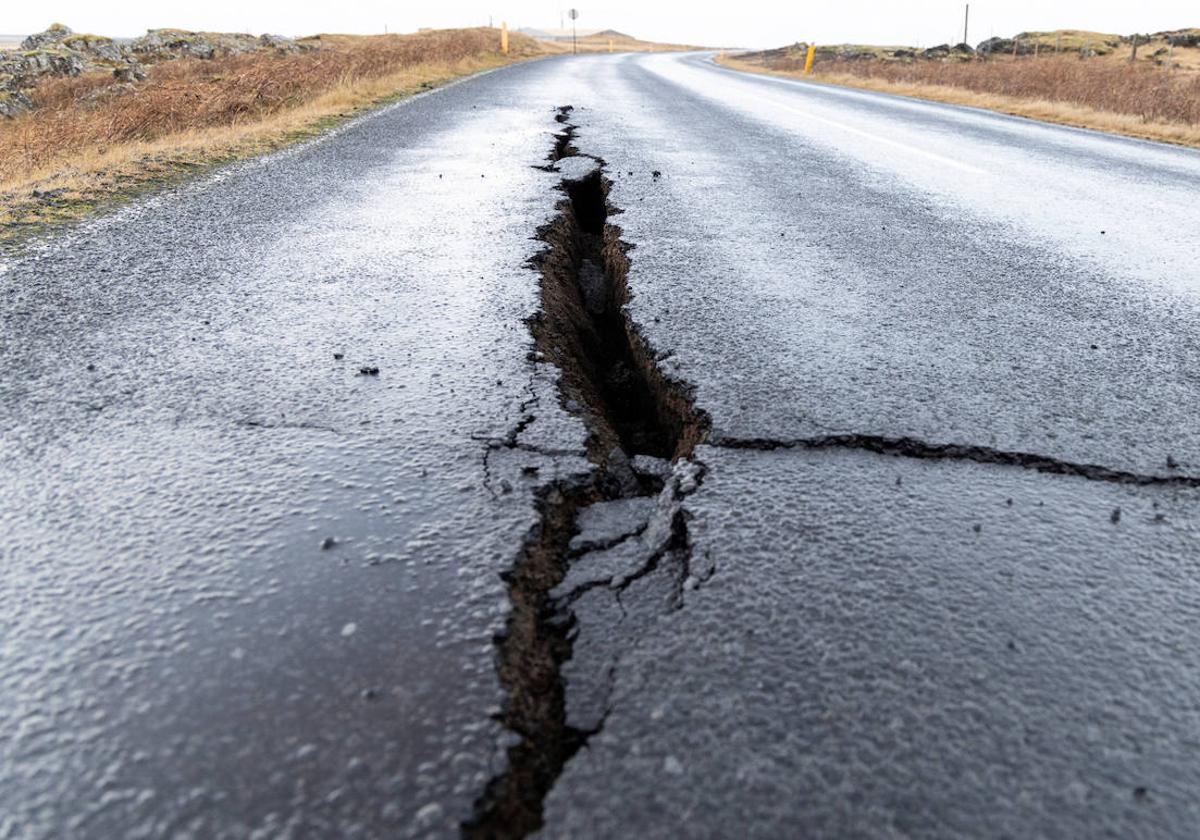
pixel 887 141
pixel 795 84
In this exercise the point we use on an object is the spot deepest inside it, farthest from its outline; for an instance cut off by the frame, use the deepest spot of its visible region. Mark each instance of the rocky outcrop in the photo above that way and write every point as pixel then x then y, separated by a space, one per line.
pixel 1180 37
pixel 846 52
pixel 945 52
pixel 166 44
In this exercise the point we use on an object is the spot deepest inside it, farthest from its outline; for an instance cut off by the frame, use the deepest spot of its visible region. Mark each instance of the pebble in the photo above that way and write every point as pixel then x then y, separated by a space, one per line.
pixel 429 815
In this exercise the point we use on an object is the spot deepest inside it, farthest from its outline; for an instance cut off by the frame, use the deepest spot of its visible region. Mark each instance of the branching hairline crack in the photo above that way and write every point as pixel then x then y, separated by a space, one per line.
pixel 907 447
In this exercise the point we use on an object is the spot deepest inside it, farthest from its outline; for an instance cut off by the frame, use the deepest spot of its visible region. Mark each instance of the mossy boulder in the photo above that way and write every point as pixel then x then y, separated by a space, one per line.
pixel 53 34
pixel 26 67
pixel 997 45
pixel 96 46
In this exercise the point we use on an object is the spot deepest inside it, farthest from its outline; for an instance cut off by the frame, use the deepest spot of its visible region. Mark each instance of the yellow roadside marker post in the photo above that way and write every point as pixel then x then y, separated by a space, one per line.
pixel 610 44
pixel 504 37
pixel 809 60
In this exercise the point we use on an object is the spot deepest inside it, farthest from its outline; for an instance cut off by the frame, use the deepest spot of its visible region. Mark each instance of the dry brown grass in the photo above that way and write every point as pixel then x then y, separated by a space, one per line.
pixel 91 138
pixel 1139 100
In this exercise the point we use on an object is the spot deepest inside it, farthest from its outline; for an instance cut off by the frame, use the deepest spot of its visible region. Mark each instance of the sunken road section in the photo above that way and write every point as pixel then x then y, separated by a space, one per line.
pixel 631 409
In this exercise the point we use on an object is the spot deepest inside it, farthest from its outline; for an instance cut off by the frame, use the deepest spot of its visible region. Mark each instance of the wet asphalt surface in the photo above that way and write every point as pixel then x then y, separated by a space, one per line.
pixel 252 590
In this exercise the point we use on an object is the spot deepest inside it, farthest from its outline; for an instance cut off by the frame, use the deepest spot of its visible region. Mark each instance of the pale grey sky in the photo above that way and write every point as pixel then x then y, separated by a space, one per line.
pixel 744 23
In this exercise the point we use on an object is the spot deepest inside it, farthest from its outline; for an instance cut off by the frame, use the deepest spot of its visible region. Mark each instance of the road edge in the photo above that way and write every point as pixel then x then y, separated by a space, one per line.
pixel 1033 110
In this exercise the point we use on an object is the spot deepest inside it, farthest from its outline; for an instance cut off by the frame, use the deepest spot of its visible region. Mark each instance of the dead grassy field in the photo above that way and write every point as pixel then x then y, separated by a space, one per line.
pixel 92 139
pixel 1108 92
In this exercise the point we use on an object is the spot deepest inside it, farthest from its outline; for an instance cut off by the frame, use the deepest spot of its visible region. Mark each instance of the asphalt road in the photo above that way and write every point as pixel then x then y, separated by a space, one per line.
pixel 929 570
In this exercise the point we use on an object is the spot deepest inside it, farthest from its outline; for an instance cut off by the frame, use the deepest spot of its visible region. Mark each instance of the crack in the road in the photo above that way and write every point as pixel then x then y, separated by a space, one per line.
pixel 608 375
pixel 906 447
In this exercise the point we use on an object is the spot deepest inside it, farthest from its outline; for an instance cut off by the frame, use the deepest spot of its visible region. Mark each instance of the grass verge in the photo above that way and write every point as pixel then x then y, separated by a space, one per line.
pixel 969 86
pixel 94 143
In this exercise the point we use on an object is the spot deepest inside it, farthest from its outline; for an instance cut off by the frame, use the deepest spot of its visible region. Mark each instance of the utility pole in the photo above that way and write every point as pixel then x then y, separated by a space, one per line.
pixel 573 14
pixel 966 24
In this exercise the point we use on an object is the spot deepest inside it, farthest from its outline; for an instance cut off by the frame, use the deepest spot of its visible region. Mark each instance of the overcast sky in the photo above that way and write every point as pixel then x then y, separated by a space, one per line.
pixel 743 23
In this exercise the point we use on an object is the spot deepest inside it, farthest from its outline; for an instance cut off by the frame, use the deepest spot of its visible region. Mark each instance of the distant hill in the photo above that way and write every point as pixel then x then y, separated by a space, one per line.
pixel 559 34
pixel 614 34
pixel 598 40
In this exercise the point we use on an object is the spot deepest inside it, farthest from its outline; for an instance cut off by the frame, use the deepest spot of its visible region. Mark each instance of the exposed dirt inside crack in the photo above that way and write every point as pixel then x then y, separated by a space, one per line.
pixel 609 376
pixel 531 654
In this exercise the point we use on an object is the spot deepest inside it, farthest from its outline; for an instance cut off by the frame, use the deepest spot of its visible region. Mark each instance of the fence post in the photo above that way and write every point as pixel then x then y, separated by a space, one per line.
pixel 1133 55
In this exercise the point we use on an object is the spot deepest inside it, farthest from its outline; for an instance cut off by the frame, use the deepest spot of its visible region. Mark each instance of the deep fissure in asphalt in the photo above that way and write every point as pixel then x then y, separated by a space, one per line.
pixel 608 375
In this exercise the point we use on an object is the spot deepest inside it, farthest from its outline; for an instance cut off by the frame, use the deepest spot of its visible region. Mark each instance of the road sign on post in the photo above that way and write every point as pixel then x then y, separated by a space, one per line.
pixel 504 37
pixel 573 14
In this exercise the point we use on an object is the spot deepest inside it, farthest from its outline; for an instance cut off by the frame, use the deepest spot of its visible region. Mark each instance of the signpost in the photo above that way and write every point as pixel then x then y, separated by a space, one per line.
pixel 573 14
